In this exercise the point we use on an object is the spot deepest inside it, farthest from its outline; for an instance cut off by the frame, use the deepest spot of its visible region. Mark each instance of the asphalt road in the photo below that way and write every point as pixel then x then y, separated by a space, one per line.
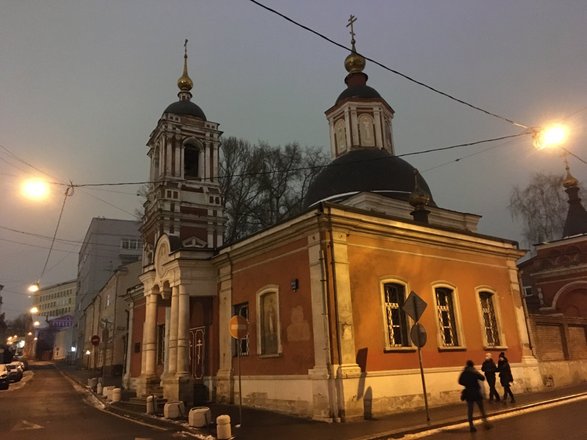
pixel 46 406
pixel 564 421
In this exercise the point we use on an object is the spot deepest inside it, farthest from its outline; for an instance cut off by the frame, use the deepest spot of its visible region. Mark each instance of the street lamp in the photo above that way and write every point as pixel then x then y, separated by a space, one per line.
pixel 550 137
pixel 35 189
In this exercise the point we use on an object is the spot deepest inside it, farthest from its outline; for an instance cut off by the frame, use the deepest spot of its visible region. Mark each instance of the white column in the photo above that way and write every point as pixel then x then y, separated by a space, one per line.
pixel 129 346
pixel 183 322
pixel 172 351
pixel 150 336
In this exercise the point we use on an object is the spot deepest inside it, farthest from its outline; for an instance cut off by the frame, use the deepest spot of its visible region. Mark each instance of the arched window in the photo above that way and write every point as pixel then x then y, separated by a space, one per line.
pixel 489 316
pixel 396 320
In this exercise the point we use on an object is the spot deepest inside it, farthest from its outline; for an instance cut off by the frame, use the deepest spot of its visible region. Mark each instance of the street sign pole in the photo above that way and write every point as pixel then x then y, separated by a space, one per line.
pixel 238 330
pixel 240 388
pixel 414 306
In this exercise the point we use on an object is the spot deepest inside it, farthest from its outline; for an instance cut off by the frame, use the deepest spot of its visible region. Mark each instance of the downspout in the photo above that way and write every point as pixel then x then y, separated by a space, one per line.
pixel 336 317
pixel 325 283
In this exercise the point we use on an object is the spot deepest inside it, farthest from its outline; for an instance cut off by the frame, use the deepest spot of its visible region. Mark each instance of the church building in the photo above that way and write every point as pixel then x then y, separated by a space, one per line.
pixel 326 293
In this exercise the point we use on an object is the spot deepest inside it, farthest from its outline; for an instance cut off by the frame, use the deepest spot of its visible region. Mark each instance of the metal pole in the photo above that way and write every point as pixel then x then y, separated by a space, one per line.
pixel 240 388
pixel 423 381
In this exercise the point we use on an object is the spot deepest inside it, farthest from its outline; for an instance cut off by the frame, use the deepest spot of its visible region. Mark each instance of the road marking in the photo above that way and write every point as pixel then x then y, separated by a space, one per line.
pixel 23 425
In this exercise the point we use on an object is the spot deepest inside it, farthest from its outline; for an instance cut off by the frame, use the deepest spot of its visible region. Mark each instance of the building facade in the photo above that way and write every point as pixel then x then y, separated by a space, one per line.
pixel 555 293
pixel 108 244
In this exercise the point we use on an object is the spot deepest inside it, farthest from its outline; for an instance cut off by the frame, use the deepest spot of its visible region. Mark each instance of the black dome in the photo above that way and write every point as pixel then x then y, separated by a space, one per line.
pixel 365 170
pixel 359 91
pixel 185 108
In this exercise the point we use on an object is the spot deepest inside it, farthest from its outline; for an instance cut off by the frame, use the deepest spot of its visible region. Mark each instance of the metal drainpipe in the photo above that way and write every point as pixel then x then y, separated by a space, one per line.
pixel 335 299
pixel 325 283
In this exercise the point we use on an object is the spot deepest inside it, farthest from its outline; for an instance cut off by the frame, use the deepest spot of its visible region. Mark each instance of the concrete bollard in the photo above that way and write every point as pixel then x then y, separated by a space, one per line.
pixel 116 394
pixel 107 392
pixel 199 416
pixel 99 388
pixel 223 431
pixel 173 410
pixel 151 405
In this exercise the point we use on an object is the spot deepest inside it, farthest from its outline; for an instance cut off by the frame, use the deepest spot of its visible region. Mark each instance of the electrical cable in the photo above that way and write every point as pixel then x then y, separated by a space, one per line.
pixel 420 83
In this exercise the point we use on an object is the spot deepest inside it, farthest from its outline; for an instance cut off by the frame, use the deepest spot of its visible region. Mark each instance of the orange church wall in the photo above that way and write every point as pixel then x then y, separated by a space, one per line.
pixel 278 265
pixel 370 262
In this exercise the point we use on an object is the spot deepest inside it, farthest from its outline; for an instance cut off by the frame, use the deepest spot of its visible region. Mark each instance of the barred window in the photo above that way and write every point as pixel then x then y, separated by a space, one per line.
pixel 445 310
pixel 489 319
pixel 396 321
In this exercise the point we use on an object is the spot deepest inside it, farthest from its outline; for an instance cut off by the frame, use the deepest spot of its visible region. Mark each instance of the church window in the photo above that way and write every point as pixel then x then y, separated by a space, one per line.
pixel 445 310
pixel 242 344
pixel 340 134
pixel 191 160
pixel 489 318
pixel 269 342
pixel 366 131
pixel 396 320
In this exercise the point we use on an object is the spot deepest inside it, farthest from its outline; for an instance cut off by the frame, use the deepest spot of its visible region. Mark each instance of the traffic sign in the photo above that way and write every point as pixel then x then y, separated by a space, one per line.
pixel 239 327
pixel 414 306
pixel 418 335
pixel 95 340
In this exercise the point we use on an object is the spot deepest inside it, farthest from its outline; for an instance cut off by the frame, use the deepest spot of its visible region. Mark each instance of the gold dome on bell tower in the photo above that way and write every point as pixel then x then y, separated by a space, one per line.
pixel 184 82
pixel 353 63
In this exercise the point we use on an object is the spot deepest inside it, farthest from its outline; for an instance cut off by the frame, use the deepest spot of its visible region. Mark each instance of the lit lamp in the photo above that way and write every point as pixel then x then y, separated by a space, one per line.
pixel 550 137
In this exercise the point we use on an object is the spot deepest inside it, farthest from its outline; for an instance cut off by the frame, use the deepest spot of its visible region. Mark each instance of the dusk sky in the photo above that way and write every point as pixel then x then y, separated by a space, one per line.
pixel 84 82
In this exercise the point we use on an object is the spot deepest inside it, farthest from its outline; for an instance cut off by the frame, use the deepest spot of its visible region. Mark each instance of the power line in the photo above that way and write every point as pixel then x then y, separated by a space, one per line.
pixel 420 83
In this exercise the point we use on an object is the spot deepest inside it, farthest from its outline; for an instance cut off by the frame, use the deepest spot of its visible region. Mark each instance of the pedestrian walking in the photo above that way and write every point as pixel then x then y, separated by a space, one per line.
pixel 505 376
pixel 489 368
pixel 470 378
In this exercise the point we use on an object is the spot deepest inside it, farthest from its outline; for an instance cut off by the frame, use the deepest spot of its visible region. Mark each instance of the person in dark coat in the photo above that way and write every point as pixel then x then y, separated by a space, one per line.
pixel 489 368
pixel 505 376
pixel 470 378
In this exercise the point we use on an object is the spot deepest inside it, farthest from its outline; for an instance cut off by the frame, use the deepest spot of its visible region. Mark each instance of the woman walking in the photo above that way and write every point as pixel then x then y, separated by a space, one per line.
pixel 505 376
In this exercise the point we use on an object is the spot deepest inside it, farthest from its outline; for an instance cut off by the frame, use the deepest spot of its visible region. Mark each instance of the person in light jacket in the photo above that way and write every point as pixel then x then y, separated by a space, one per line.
pixel 489 369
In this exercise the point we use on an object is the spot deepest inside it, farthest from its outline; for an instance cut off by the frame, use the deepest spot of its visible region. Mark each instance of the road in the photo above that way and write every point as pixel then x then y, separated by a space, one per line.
pixel 46 406
pixel 566 421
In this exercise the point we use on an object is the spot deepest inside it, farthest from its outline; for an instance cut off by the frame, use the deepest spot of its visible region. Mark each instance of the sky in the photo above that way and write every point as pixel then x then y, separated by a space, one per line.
pixel 84 82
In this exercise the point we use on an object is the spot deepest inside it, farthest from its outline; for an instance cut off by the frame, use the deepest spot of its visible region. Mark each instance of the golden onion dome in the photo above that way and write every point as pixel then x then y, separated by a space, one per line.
pixel 569 181
pixel 354 63
pixel 184 82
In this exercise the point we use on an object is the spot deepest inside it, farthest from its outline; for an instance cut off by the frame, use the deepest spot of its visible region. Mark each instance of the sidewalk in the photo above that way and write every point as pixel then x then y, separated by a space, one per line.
pixel 259 424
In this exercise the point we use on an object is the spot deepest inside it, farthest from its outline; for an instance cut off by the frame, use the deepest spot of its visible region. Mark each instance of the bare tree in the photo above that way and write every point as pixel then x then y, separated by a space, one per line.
pixel 542 208
pixel 263 185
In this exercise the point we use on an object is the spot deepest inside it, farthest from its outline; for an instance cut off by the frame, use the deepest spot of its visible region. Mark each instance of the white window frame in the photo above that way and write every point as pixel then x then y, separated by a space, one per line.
pixel 389 346
pixel 497 310
pixel 458 326
pixel 273 288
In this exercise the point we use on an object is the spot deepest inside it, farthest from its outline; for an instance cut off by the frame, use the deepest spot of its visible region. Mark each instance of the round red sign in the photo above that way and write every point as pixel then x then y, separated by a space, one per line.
pixel 95 340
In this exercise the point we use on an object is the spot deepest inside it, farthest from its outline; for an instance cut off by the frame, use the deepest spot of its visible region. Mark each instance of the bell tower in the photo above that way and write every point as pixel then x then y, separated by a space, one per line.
pixel 183 198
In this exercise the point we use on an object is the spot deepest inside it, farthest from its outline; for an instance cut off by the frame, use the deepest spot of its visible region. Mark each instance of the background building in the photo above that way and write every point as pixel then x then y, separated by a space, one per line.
pixel 108 244
pixel 56 300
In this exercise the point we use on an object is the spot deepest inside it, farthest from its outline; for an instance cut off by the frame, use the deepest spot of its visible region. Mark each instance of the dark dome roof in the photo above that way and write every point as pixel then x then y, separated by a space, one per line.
pixel 359 91
pixel 185 108
pixel 365 170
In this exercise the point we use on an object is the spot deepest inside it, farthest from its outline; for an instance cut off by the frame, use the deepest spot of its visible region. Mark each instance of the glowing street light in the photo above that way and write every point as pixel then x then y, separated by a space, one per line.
pixel 551 137
pixel 34 310
pixel 35 189
pixel 34 288
pixel 36 323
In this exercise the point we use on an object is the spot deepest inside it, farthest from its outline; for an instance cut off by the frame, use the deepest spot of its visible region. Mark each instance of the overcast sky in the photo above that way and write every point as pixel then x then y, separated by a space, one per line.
pixel 84 82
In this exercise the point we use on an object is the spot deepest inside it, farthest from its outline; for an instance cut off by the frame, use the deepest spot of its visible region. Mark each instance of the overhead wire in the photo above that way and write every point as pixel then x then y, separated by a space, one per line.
pixel 409 78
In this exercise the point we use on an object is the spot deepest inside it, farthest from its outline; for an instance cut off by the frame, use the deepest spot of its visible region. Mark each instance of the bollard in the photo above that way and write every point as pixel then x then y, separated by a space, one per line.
pixel 223 431
pixel 99 388
pixel 173 410
pixel 116 394
pixel 150 405
pixel 199 417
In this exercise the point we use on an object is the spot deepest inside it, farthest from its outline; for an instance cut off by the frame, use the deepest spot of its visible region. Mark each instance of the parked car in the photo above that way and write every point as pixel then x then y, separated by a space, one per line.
pixel 14 371
pixel 3 377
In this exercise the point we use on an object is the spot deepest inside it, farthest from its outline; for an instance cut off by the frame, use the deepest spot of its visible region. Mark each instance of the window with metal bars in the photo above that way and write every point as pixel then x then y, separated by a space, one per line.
pixel 396 320
pixel 489 319
pixel 446 316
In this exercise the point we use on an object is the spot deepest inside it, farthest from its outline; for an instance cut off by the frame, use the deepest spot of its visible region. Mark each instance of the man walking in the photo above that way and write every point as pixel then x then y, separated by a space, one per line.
pixel 489 369
pixel 470 378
